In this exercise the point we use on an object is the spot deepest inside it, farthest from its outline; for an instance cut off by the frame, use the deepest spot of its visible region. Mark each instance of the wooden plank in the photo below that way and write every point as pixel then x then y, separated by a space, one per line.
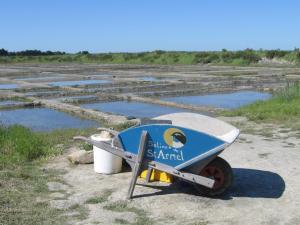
pixel 107 146
pixel 138 163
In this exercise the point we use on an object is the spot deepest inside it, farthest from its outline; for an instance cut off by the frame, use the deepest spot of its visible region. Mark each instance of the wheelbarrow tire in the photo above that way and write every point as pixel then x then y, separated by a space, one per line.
pixel 221 171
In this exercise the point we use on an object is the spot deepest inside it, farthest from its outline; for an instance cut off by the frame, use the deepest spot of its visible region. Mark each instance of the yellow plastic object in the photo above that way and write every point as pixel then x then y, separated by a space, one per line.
pixel 157 175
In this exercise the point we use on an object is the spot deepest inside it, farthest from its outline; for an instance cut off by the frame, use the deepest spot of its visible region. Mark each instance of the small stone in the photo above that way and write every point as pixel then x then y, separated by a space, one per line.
pixel 81 157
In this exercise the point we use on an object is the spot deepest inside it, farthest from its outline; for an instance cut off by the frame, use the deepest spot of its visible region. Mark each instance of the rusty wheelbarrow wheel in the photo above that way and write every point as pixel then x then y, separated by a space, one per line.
pixel 221 172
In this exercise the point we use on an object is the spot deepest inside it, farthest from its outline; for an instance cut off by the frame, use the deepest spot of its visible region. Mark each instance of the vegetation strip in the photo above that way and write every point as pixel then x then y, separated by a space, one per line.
pixel 283 107
pixel 23 182
pixel 224 57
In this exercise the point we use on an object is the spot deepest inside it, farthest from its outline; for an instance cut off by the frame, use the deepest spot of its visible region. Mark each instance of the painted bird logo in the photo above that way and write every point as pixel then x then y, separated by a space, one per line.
pixel 174 138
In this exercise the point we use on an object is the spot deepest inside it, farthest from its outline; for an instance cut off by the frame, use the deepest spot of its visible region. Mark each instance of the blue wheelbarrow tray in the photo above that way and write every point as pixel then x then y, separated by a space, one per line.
pixel 185 145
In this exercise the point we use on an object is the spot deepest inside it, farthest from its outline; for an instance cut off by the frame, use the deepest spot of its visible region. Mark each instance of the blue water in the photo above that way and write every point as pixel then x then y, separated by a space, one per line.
pixel 43 119
pixel 224 100
pixel 78 82
pixel 135 109
pixel 148 78
pixel 8 86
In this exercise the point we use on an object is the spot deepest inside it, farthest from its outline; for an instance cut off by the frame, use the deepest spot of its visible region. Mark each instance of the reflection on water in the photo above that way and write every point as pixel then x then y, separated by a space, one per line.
pixel 43 119
pixel 148 78
pixel 8 86
pixel 135 109
pixel 224 100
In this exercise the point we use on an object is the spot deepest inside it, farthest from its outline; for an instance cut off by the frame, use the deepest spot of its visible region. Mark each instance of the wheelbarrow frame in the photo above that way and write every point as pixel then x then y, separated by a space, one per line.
pixel 139 161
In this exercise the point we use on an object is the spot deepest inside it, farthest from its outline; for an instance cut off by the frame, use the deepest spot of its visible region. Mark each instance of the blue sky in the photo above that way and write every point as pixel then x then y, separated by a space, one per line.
pixel 140 25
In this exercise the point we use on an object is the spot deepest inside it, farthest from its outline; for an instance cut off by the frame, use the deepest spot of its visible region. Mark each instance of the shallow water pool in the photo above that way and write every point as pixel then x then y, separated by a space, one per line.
pixel 43 119
pixel 8 86
pixel 148 78
pixel 223 100
pixel 132 108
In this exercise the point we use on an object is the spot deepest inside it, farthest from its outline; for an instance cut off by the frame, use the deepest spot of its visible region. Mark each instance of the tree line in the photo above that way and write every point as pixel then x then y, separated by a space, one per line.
pixel 4 52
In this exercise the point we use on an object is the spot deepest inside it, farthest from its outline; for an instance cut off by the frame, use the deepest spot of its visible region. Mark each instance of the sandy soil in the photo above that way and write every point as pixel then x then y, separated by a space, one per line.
pixel 265 191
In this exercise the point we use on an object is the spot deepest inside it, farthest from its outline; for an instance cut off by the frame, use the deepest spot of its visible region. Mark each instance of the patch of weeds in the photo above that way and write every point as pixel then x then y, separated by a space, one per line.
pixel 265 133
pixel 297 135
pixel 82 211
pixel 122 206
pixel 96 222
pixel 124 125
pixel 87 146
pixel 249 130
pixel 121 221
pixel 65 136
pixel 283 108
pixel 100 199
pixel 199 223
pixel 16 98
pixel 119 206
pixel 18 197
pixel 268 139
pixel 289 144
pixel 284 131
pixel 23 181
pixel 21 144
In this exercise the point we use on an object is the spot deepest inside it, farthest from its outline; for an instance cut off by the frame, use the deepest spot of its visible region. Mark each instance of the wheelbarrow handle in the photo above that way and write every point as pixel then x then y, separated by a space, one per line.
pixel 107 146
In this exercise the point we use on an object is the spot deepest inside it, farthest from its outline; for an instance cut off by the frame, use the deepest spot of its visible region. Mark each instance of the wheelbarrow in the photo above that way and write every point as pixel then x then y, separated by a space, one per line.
pixel 184 145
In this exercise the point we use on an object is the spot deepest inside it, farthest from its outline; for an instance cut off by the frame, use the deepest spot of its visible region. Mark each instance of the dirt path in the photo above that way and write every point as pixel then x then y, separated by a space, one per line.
pixel 266 189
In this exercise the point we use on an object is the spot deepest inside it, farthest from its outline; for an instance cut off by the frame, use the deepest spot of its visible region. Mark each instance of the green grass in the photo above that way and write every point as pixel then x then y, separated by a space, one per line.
pixel 15 98
pixel 100 199
pixel 21 185
pixel 283 107
pixel 81 210
pixel 224 57
pixel 22 179
pixel 122 206
pixel 121 221
pixel 21 144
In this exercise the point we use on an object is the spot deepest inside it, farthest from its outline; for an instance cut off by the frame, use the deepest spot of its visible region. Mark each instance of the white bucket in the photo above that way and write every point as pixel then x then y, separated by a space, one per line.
pixel 105 162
